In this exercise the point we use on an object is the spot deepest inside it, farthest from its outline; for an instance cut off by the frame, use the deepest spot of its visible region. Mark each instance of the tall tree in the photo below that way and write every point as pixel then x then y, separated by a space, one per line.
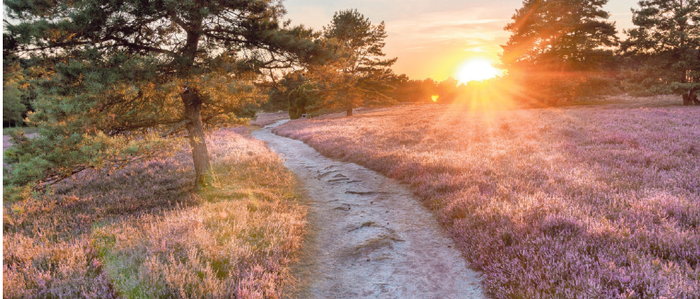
pixel 114 67
pixel 356 73
pixel 557 40
pixel 665 46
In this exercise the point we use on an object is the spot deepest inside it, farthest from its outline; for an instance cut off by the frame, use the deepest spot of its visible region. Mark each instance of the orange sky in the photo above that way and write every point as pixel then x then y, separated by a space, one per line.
pixel 432 39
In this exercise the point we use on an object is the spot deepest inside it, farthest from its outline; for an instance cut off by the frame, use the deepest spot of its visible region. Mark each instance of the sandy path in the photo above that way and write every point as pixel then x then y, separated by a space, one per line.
pixel 371 238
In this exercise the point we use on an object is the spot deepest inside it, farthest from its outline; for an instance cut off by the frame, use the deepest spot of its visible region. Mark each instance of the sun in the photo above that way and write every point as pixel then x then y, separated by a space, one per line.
pixel 476 69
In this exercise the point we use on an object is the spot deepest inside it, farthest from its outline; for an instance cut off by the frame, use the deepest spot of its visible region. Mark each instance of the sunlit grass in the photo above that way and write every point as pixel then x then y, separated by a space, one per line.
pixel 588 202
pixel 139 232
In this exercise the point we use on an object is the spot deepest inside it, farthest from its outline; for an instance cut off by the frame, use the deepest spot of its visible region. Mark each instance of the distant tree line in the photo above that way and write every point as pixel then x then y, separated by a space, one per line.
pixel 428 90
pixel 402 89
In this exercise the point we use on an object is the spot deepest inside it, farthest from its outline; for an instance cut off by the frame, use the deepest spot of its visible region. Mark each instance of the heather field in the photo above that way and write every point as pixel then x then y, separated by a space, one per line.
pixel 140 231
pixel 596 201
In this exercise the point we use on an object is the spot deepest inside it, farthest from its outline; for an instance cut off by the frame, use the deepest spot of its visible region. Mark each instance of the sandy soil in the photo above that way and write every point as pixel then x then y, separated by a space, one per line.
pixel 371 237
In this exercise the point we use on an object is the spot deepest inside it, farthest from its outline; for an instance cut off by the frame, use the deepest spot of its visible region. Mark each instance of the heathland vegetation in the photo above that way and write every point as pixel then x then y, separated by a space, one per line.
pixel 549 202
pixel 576 202
pixel 140 232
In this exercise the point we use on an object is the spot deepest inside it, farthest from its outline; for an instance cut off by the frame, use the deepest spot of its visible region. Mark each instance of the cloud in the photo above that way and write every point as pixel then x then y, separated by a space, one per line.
pixel 474 26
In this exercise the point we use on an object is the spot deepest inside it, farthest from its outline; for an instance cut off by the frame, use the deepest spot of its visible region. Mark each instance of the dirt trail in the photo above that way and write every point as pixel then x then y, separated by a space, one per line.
pixel 372 238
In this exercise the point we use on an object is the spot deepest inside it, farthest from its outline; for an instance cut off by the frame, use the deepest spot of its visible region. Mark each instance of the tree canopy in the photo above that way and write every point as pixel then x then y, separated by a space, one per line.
pixel 554 43
pixel 13 106
pixel 15 95
pixel 558 35
pixel 664 47
pixel 355 72
pixel 125 67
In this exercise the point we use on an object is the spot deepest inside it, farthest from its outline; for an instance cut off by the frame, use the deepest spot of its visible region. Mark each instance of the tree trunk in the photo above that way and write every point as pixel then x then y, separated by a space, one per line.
pixel 195 130
pixel 349 112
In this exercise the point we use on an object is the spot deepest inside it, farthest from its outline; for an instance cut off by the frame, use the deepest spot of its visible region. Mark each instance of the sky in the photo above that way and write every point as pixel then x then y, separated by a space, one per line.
pixel 434 38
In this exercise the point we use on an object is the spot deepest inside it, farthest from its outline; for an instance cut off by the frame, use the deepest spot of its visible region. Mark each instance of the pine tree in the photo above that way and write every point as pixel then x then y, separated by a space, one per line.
pixel 110 68
pixel 665 47
pixel 12 106
pixel 556 42
pixel 355 73
pixel 14 92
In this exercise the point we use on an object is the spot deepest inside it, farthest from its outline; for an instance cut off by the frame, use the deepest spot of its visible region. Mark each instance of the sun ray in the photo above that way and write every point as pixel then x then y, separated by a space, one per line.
pixel 476 69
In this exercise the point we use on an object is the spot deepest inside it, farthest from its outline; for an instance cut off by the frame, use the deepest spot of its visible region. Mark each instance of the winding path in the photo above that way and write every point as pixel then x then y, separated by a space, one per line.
pixel 371 238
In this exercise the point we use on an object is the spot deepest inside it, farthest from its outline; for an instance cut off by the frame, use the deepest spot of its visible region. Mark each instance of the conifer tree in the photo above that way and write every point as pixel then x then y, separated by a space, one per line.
pixel 111 68
pixel 665 47
pixel 555 41
pixel 13 85
pixel 354 73
pixel 12 93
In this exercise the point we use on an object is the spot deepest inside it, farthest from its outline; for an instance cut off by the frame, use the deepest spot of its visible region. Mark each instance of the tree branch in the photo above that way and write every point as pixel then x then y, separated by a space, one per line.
pixel 175 128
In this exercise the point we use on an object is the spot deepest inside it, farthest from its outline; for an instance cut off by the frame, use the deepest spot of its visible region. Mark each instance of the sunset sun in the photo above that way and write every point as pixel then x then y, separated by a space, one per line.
pixel 476 70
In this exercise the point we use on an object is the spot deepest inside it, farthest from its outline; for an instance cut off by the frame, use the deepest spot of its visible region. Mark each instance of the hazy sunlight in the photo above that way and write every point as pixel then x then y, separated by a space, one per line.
pixel 476 70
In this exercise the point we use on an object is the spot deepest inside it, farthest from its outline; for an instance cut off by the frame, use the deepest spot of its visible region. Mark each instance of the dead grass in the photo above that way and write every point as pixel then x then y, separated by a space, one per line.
pixel 596 201
pixel 139 232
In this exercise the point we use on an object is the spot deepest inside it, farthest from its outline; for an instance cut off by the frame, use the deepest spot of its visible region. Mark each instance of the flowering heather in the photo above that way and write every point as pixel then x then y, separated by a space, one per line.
pixel 139 232
pixel 574 202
